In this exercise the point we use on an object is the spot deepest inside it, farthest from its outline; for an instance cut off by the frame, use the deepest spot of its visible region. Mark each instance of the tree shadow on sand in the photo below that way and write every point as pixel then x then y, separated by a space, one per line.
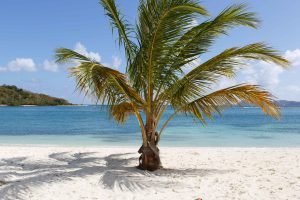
pixel 19 175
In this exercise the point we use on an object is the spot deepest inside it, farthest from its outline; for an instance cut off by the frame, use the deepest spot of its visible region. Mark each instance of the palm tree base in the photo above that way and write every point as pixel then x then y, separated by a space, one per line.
pixel 149 159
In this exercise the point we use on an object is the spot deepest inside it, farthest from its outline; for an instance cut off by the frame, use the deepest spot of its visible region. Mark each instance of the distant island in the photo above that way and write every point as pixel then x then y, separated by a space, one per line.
pixel 11 95
pixel 284 103
pixel 280 103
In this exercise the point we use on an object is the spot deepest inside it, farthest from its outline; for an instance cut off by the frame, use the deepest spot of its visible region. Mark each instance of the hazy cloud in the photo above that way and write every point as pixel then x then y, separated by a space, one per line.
pixel 269 76
pixel 2 69
pixel 293 88
pixel 225 83
pixel 116 62
pixel 50 66
pixel 263 73
pixel 80 48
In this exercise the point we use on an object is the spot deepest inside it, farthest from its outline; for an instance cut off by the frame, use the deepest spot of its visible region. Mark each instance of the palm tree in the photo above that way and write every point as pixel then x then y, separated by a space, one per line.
pixel 164 41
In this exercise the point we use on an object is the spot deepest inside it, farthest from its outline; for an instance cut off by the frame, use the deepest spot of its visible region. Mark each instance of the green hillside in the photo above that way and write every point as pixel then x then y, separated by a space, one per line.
pixel 13 96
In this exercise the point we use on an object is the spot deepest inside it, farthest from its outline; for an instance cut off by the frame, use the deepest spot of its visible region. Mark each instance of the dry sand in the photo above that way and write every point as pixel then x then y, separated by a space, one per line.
pixel 61 173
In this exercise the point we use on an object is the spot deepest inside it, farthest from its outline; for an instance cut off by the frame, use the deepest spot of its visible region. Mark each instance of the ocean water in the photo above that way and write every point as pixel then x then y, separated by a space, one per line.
pixel 91 126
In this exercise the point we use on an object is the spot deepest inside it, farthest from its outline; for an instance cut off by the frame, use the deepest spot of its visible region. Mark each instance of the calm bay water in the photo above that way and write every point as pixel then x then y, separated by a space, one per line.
pixel 90 126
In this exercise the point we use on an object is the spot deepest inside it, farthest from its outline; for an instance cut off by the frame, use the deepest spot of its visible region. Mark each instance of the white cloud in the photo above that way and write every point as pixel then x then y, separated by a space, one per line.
pixel 268 74
pixel 20 64
pixel 284 84
pixel 225 83
pixel 293 57
pixel 263 73
pixel 50 66
pixel 80 48
pixel 116 62
pixel 26 64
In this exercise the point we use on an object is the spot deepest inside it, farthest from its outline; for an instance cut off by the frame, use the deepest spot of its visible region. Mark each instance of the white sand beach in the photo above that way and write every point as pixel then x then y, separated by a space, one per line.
pixel 64 173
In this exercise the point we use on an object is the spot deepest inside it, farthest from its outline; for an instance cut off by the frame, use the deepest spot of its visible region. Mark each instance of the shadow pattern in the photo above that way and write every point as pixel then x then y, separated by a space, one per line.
pixel 19 175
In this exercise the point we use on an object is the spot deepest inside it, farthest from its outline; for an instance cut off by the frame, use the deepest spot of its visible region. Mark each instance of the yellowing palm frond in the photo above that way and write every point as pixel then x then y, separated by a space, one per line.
pixel 122 111
pixel 233 96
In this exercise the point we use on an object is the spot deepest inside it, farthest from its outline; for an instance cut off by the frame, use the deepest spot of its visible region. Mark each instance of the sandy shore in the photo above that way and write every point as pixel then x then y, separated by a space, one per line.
pixel 63 173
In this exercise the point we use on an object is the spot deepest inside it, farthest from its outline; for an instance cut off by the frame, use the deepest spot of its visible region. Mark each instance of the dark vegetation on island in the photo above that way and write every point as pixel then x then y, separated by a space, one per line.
pixel 284 103
pixel 13 96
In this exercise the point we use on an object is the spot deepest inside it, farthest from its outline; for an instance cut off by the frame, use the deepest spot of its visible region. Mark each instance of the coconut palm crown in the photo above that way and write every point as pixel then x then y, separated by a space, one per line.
pixel 164 41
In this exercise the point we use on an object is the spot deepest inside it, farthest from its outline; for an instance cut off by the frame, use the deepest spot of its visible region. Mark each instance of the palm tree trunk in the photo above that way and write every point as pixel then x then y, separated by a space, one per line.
pixel 150 159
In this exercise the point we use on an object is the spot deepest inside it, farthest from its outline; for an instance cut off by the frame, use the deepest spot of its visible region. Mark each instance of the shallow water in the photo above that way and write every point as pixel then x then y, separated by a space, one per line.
pixel 91 126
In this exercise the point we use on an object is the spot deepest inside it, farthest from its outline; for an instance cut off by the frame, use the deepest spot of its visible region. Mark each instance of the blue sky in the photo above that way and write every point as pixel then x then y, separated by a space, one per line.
pixel 31 30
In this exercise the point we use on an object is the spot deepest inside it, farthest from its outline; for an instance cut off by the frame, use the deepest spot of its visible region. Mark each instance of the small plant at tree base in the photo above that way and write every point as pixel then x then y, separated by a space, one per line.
pixel 164 41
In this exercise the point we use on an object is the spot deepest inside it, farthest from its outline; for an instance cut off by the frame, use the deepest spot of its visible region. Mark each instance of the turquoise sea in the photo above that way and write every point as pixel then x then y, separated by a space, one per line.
pixel 90 126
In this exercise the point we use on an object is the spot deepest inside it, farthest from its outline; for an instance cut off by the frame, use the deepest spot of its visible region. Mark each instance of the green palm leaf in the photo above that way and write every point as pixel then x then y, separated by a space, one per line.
pixel 161 23
pixel 122 26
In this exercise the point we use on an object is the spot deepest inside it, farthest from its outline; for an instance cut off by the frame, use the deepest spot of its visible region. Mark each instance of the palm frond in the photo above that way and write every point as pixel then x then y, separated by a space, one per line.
pixel 215 102
pixel 121 112
pixel 200 79
pixel 123 27
pixel 64 55
pixel 161 23
pixel 198 40
pixel 105 84
pixel 227 62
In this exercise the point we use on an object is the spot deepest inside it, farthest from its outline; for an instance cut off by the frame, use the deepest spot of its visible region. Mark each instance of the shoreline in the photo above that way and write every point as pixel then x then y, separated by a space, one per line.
pixel 108 146
pixel 109 173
